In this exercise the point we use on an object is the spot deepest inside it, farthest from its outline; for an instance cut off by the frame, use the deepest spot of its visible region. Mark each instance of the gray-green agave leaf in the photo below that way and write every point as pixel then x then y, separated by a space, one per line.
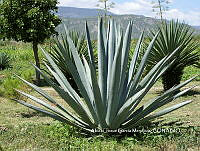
pixel 111 95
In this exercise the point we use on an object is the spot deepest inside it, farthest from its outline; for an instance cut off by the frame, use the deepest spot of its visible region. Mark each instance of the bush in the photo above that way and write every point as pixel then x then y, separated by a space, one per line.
pixel 8 85
pixel 4 61
pixel 28 75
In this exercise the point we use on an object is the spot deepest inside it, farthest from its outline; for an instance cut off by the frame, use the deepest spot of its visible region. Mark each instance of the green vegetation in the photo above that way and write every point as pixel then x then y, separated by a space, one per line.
pixel 29 21
pixel 21 128
pixel 61 49
pixel 24 129
pixel 20 57
pixel 4 61
pixel 172 36
pixel 111 103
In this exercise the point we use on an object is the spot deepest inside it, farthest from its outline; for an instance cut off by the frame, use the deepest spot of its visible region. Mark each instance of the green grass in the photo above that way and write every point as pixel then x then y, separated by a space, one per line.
pixel 191 71
pixel 59 137
pixel 21 56
pixel 24 129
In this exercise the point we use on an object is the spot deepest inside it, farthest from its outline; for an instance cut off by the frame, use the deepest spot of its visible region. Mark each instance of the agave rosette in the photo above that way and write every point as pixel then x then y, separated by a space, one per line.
pixel 112 93
pixel 174 34
pixel 4 61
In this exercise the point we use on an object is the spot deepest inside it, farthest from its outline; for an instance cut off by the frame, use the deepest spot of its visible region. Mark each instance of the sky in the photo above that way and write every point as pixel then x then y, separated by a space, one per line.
pixel 184 10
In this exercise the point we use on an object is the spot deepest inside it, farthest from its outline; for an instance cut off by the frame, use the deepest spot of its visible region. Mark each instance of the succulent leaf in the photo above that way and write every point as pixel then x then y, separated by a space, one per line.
pixel 112 93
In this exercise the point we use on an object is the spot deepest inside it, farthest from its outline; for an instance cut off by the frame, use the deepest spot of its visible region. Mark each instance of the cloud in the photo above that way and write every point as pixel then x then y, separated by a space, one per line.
pixel 138 7
pixel 78 3
pixel 144 7
pixel 191 17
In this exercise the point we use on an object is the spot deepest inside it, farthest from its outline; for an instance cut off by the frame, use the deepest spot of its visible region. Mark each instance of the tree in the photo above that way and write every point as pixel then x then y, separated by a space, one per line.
pixel 29 21
pixel 160 6
pixel 1 30
pixel 1 23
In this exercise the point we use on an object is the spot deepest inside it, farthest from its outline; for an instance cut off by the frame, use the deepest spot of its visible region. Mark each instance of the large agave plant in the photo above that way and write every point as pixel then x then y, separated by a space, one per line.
pixel 111 95
pixel 173 35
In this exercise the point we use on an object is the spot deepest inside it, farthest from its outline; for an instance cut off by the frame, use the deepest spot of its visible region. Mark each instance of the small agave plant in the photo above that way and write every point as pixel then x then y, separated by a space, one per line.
pixel 4 61
pixel 111 94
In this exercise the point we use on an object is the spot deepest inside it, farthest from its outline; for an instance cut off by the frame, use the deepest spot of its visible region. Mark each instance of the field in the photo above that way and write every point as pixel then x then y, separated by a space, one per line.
pixel 25 129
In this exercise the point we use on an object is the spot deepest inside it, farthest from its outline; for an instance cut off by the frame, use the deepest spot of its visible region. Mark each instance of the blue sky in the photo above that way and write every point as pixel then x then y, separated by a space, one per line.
pixel 185 10
pixel 186 5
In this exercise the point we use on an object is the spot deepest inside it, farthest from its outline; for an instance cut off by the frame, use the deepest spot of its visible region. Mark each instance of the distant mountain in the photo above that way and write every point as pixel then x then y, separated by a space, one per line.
pixel 74 18
pixel 73 12
pixel 197 30
pixel 139 23
pixel 196 27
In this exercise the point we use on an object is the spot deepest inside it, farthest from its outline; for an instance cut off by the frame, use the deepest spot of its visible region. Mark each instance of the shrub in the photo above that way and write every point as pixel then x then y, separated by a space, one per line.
pixel 4 61
pixel 112 94
pixel 28 75
pixel 8 85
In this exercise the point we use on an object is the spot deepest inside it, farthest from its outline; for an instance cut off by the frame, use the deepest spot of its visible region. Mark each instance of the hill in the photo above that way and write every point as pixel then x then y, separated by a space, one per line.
pixel 74 18
pixel 73 12
pixel 197 27
pixel 140 23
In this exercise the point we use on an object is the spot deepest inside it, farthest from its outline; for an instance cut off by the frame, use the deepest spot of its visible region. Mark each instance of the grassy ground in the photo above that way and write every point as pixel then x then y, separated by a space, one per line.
pixel 24 129
pixel 21 55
